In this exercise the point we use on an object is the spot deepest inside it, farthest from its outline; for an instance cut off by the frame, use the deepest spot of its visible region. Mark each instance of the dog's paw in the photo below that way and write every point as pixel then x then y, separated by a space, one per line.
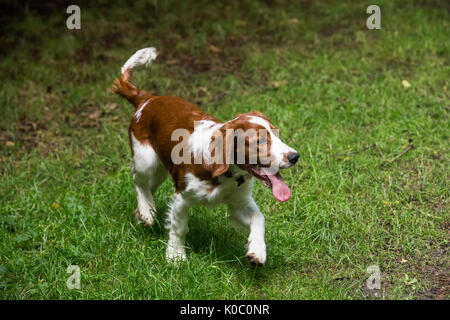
pixel 255 260
pixel 175 254
pixel 256 253
pixel 147 219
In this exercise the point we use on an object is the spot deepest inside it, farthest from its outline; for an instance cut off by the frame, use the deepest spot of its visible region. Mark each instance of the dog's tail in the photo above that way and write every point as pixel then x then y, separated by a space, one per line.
pixel 122 85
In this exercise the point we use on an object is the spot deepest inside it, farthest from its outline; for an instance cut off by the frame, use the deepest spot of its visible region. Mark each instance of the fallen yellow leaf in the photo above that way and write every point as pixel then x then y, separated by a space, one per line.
pixel 96 115
pixel 278 84
pixel 56 206
pixel 406 84
pixel 214 49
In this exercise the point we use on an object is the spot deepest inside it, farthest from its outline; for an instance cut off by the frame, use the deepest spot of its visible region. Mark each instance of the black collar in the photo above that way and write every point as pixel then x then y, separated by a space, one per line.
pixel 228 174
pixel 240 180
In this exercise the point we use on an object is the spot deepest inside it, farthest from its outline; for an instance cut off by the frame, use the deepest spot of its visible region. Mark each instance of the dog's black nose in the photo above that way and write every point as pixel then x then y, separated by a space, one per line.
pixel 293 157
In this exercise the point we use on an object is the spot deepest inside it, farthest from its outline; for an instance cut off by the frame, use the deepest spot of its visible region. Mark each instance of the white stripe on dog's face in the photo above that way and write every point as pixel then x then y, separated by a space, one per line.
pixel 279 150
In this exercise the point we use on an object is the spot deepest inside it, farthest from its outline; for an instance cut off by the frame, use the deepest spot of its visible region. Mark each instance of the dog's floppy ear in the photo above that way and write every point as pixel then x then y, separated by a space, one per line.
pixel 216 169
pixel 220 150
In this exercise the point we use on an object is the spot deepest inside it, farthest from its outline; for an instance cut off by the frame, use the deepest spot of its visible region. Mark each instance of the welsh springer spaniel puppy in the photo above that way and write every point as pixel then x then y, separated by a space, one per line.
pixel 210 161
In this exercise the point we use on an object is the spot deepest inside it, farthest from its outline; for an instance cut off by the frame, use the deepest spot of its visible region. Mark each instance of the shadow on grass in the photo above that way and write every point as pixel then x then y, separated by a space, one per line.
pixel 211 237
pixel 217 239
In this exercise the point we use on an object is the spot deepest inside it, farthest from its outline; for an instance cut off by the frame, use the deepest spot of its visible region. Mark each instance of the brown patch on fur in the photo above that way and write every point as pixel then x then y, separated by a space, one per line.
pixel 242 123
pixel 259 114
pixel 160 117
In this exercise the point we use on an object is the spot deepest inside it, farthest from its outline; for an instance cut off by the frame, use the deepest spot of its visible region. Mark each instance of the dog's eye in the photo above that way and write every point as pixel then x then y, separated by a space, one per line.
pixel 262 141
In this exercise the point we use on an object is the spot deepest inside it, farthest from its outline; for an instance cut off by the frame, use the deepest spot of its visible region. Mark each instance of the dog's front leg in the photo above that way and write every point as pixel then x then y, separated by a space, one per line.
pixel 177 225
pixel 249 216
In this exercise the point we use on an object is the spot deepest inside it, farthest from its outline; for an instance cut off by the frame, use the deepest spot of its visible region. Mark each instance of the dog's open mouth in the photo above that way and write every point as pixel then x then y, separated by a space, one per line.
pixel 280 190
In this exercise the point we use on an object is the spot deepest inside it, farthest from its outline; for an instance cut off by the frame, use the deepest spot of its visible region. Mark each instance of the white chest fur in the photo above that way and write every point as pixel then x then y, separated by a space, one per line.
pixel 229 190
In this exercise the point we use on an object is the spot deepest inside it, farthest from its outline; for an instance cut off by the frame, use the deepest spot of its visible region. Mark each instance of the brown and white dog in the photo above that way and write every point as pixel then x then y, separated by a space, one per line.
pixel 154 140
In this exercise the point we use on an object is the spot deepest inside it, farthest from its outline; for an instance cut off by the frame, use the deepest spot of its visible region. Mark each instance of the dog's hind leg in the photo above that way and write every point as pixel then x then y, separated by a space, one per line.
pixel 146 209
pixel 148 175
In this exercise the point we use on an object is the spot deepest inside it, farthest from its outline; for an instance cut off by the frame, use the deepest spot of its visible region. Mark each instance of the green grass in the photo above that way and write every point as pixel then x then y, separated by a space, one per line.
pixel 66 193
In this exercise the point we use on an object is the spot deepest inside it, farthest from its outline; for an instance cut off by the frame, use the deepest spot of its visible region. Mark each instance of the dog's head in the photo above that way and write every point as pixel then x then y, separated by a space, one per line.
pixel 251 143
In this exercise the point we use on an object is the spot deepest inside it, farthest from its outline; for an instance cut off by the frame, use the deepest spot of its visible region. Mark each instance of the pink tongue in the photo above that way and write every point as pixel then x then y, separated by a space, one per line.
pixel 280 190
